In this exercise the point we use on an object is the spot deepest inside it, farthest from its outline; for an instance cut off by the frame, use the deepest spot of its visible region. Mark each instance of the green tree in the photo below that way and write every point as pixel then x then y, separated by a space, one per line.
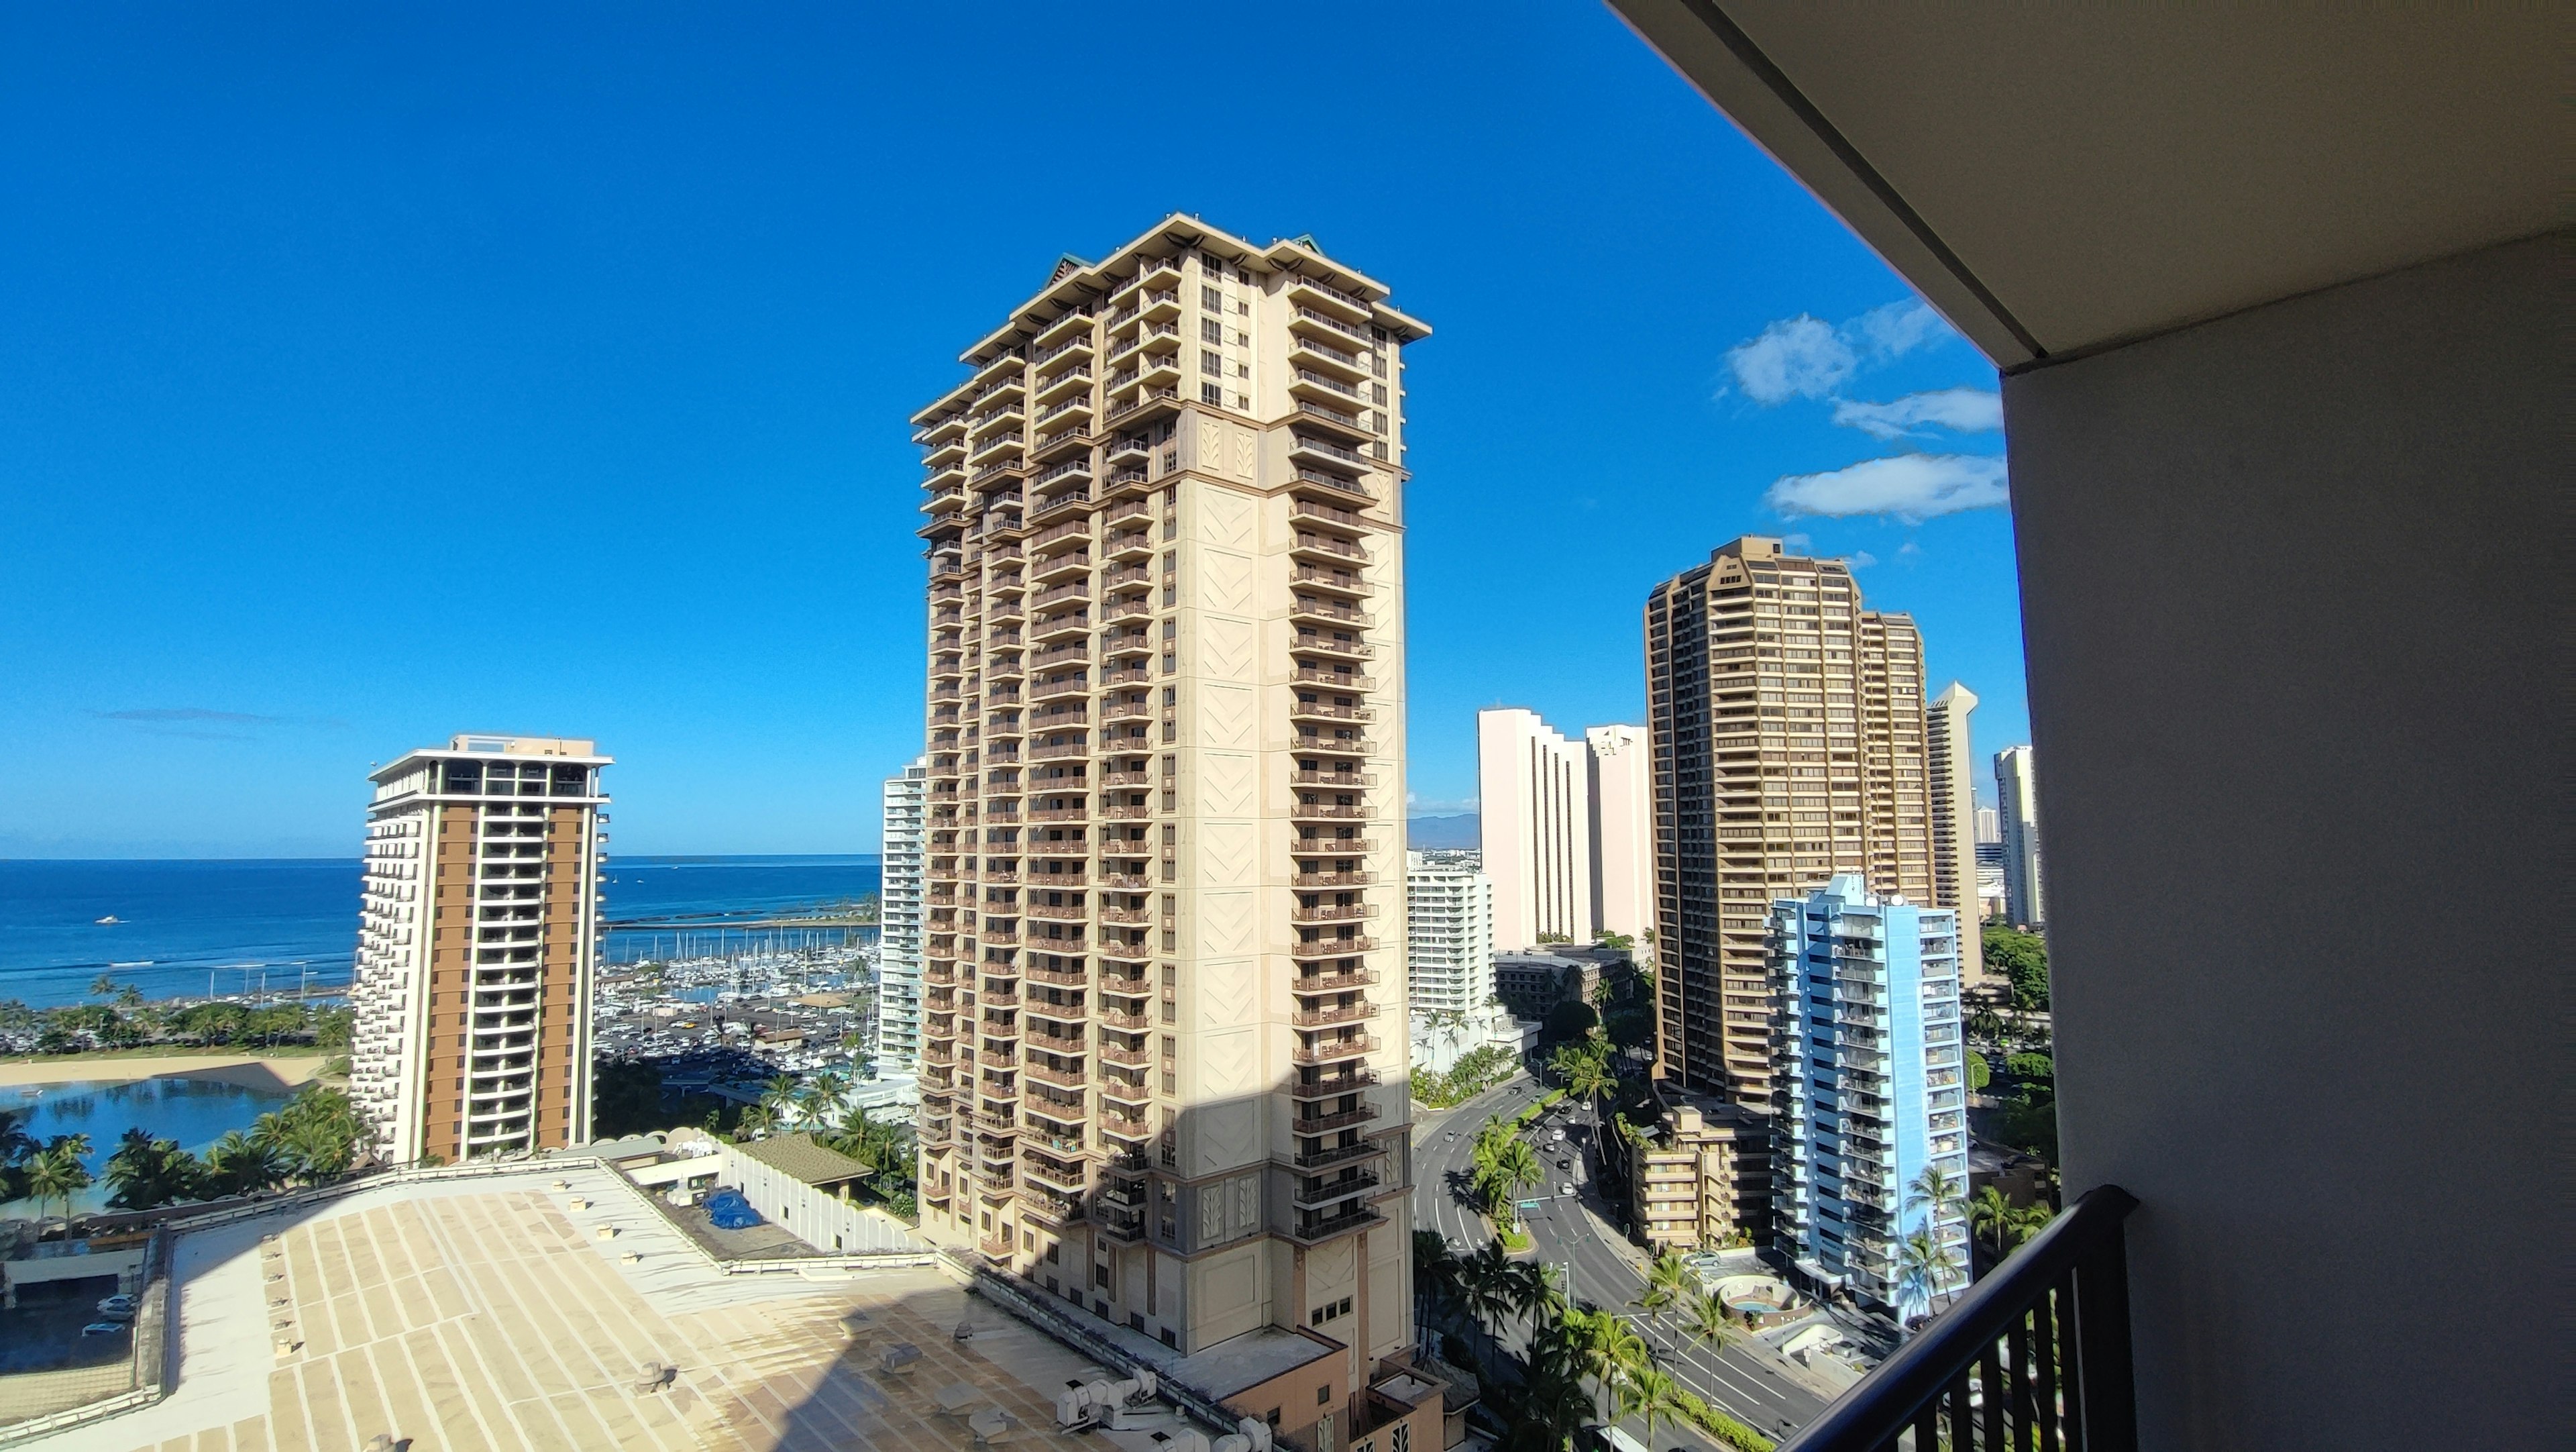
pixel 1708 1320
pixel 1488 1282
pixel 1571 1019
pixel 1979 1075
pixel 238 1165
pixel 56 1172
pixel 103 986
pixel 1990 1212
pixel 2031 1067
pixel 1669 1283
pixel 148 1173
pixel 1584 1068
pixel 1936 1192
pixel 2022 959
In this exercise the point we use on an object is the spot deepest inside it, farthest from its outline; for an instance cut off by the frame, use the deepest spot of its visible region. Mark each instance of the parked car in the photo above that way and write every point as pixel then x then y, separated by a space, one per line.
pixel 105 1328
pixel 122 1313
pixel 119 1303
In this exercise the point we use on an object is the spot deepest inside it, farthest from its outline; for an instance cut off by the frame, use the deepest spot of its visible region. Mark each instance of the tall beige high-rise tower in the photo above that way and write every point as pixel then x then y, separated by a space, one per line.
pixel 1787 725
pixel 478 946
pixel 1534 823
pixel 1952 767
pixel 1623 829
pixel 1163 1056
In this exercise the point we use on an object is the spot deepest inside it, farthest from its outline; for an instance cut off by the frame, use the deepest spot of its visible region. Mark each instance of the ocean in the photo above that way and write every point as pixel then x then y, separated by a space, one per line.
pixel 235 925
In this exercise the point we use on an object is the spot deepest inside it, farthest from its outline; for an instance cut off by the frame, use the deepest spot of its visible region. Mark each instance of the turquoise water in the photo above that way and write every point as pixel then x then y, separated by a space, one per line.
pixel 195 1112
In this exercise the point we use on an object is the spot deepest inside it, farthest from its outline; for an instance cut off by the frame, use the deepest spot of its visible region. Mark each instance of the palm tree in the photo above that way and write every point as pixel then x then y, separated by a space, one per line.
pixel 1487 1280
pixel 1649 1392
pixel 1535 1293
pixel 1669 1281
pixel 56 1172
pixel 1707 1320
pixel 1586 1072
pixel 103 986
pixel 15 1143
pixel 1990 1211
pixel 1923 1269
pixel 321 1148
pixel 1516 1168
pixel 242 1165
pixel 1936 1189
pixel 2030 1221
pixel 1436 1279
pixel 757 1120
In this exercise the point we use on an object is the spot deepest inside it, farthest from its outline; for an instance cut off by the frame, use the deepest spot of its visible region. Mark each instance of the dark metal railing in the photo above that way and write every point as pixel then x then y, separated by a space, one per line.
pixel 2035 1357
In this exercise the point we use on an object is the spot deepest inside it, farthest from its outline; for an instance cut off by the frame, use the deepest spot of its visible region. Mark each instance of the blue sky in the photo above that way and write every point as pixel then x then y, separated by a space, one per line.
pixel 336 341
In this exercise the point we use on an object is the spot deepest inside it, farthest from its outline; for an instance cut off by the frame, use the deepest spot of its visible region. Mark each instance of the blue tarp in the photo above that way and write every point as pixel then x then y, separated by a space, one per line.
pixel 729 1211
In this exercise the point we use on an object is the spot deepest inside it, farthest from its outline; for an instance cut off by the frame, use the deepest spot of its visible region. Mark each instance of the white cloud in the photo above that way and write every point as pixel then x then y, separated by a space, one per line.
pixel 1863 560
pixel 1798 544
pixel 1807 357
pixel 1960 410
pixel 1910 487
pixel 1800 357
pixel 1897 329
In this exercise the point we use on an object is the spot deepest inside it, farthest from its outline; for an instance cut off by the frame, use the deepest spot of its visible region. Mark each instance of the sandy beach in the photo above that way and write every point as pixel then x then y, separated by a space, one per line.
pixel 248 1070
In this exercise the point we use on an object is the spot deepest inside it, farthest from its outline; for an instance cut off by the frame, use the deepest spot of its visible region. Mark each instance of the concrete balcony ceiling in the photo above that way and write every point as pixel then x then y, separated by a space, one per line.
pixel 2061 182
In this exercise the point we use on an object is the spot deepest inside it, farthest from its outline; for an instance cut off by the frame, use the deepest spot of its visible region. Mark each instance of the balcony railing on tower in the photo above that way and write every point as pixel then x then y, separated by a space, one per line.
pixel 2035 1355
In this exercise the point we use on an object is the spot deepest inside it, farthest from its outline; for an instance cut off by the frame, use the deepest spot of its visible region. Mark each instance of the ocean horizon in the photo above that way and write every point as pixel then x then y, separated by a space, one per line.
pixel 189 926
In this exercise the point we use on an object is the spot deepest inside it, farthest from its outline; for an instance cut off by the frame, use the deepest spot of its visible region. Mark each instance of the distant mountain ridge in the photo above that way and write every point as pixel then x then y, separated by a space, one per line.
pixel 1464 830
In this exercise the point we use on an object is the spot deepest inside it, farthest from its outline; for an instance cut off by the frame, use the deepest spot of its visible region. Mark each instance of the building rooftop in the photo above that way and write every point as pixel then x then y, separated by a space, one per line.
pixel 800 1156
pixel 1240 1363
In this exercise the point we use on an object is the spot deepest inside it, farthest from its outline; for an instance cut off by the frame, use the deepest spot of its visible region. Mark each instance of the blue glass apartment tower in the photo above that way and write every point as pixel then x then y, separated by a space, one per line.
pixel 1872 1096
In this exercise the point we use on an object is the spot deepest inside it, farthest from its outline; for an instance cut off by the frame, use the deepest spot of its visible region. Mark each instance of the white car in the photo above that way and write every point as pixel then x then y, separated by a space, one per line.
pixel 1567 1188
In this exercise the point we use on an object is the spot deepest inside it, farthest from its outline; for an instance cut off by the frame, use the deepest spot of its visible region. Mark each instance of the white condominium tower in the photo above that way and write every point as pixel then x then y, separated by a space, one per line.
pixel 478 944
pixel 1788 735
pixel 2017 806
pixel 1872 1093
pixel 1953 776
pixel 1162 1067
pixel 1535 815
pixel 899 922
pixel 1449 961
pixel 1623 829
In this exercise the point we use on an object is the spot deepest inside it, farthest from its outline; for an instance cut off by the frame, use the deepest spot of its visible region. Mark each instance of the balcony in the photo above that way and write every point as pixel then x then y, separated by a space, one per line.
pixel 1333 1051
pixel 1326 1017
pixel 1312 984
pixel 1315 1229
pixel 1341 647
pixel 1306 607
pixel 1326 1123
pixel 2035 1355
pixel 1327 547
pixel 1315 1192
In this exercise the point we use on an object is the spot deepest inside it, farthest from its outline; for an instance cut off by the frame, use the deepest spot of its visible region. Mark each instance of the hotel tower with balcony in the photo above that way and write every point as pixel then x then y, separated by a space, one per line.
pixel 478 943
pixel 1788 733
pixel 1163 1063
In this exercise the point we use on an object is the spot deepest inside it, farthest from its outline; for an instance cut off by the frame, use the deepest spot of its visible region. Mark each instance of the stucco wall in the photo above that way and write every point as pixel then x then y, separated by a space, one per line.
pixel 2292 584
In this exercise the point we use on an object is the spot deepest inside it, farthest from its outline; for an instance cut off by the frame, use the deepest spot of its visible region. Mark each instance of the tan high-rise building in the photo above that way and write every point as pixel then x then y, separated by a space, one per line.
pixel 478 945
pixel 1951 764
pixel 1623 830
pixel 1534 824
pixel 1163 1056
pixel 1787 725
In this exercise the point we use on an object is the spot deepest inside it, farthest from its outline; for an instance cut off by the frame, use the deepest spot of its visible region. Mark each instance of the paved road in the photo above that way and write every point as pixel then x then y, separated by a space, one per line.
pixel 1747 1381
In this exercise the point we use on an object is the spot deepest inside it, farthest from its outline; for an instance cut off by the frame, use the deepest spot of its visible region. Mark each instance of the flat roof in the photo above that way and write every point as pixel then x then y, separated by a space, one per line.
pixel 798 1155
pixel 1239 1363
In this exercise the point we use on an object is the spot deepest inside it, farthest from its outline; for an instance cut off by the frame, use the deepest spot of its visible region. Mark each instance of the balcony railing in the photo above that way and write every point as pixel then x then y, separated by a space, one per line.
pixel 2035 1355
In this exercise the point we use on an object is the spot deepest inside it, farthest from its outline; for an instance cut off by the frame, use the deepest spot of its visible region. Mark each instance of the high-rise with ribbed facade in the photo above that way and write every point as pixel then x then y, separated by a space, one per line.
pixel 896 1035
pixel 1952 769
pixel 1788 735
pixel 1163 1063
pixel 478 949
